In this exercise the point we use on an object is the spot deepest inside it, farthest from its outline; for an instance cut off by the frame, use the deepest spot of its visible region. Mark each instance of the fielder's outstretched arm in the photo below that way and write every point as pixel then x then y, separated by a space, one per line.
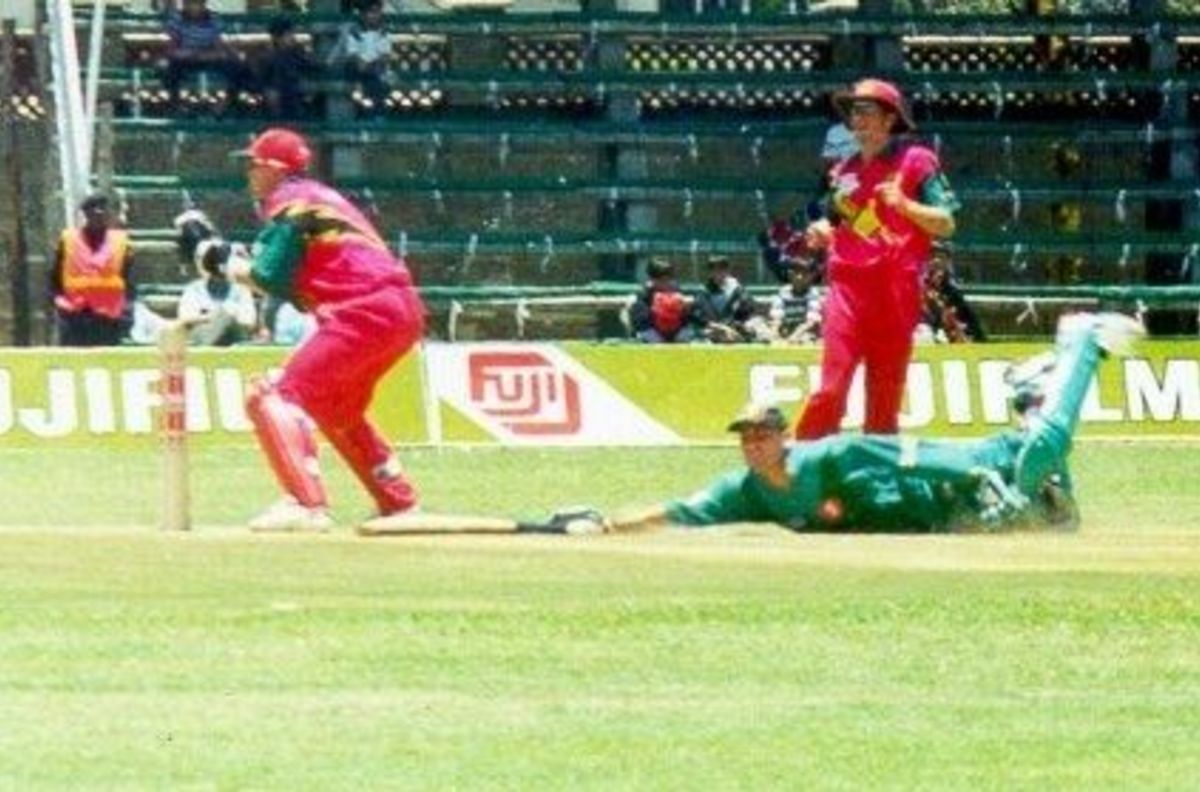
pixel 651 519
pixel 576 521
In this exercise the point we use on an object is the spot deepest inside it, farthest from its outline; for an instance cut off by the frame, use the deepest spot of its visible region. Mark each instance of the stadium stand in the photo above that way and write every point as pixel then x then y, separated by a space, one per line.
pixel 542 157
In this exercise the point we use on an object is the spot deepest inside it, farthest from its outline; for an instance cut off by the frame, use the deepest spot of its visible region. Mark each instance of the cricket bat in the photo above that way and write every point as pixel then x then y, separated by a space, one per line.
pixel 425 523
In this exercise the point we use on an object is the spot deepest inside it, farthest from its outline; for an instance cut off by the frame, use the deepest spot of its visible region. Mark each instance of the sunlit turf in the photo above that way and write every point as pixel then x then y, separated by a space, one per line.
pixel 1122 486
pixel 744 659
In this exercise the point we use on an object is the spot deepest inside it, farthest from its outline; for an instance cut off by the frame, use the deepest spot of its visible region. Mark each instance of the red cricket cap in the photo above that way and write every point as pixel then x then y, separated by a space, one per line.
pixel 880 92
pixel 279 148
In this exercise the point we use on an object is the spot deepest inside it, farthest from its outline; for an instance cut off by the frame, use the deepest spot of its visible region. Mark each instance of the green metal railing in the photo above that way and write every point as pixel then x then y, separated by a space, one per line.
pixel 992 189
pixel 731 23
pixel 601 290
pixel 706 242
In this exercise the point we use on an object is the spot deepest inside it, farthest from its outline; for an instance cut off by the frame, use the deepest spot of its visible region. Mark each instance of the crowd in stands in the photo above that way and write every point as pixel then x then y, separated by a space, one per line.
pixel 721 311
pixel 197 45
pixel 95 300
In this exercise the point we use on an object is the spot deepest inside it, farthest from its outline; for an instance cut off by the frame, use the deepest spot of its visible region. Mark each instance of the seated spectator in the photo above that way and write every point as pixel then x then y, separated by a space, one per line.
pixel 948 317
pixel 218 311
pixel 147 325
pixel 722 308
pixel 196 43
pixel 281 68
pixel 794 315
pixel 782 246
pixel 364 54
pixel 839 144
pixel 285 324
pixel 90 281
pixel 660 312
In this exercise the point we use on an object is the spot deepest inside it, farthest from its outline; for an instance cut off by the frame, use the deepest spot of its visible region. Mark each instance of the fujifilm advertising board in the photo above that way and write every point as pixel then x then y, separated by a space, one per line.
pixel 573 393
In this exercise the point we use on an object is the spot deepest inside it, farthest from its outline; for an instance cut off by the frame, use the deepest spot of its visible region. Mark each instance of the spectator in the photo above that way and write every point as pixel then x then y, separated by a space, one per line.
pixel 794 315
pixel 218 311
pixel 286 324
pixel 196 43
pixel 782 244
pixel 90 280
pixel 659 314
pixel 839 144
pixel 145 325
pixel 364 54
pixel 281 68
pixel 722 307
pixel 782 248
pixel 948 317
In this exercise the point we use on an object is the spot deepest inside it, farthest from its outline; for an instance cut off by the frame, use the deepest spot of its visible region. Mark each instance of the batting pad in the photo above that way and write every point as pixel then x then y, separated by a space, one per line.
pixel 286 436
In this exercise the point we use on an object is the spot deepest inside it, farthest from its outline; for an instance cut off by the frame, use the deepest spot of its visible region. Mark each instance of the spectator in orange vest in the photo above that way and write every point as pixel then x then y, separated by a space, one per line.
pixel 90 283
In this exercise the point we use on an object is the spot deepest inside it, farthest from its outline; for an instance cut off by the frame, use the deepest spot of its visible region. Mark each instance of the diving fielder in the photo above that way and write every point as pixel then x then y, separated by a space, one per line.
pixel 888 483
pixel 319 252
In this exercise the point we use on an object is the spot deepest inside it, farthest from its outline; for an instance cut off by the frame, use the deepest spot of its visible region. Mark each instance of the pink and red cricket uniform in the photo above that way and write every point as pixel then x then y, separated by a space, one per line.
pixel 873 303
pixel 368 315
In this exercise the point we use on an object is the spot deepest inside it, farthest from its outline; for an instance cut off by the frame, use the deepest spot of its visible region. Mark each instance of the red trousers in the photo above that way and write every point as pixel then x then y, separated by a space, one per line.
pixel 333 375
pixel 870 315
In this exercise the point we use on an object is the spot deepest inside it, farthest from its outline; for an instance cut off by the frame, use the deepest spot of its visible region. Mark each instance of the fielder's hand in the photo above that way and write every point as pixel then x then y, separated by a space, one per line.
pixel 890 194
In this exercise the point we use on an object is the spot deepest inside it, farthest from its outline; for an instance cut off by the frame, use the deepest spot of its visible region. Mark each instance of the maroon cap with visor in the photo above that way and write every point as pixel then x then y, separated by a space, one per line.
pixel 279 148
pixel 880 92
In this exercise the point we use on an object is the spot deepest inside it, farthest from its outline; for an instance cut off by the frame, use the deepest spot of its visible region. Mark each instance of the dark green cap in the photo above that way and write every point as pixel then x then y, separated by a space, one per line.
pixel 756 414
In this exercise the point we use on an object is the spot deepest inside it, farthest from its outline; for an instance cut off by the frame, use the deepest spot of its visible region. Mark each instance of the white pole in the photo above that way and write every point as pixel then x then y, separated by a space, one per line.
pixel 72 144
pixel 66 154
pixel 95 50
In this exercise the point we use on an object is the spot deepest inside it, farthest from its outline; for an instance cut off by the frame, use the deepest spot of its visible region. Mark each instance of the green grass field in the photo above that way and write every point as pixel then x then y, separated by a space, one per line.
pixel 744 658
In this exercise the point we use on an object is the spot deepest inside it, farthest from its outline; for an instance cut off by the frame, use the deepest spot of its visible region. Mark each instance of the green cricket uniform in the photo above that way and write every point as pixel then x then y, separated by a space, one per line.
pixel 867 483
pixel 890 483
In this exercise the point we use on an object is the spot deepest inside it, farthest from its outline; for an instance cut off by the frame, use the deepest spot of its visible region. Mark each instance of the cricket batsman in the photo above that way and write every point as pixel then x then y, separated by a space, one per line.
pixel 319 252
pixel 886 203
pixel 874 483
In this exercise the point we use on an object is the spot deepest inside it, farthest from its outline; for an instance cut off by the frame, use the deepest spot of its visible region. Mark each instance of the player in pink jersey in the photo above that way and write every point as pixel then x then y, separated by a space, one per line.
pixel 886 204
pixel 319 252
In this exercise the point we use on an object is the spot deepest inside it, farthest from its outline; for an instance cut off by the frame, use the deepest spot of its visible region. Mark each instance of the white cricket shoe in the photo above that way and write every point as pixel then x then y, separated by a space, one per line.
pixel 288 515
pixel 1115 333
